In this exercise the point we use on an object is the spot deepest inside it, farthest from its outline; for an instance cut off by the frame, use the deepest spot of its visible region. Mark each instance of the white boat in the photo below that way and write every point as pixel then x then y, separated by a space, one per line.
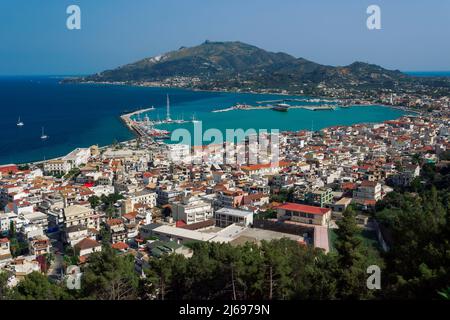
pixel 19 123
pixel 43 135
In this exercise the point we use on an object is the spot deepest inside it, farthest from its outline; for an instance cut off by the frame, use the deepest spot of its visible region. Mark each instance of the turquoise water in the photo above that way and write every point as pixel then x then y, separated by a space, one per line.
pixel 82 115
pixel 294 119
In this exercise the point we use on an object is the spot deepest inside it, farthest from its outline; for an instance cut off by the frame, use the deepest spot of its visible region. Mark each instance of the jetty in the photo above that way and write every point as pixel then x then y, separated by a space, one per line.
pixel 137 112
pixel 133 125
pixel 315 108
pixel 295 100
pixel 265 107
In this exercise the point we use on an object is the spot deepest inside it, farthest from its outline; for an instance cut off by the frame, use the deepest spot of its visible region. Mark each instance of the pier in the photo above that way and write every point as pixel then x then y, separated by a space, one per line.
pixel 131 124
pixel 295 100
pixel 137 112
pixel 248 107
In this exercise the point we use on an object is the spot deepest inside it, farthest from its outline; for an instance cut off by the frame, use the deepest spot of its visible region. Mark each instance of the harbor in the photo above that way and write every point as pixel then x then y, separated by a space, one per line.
pixel 109 120
pixel 146 127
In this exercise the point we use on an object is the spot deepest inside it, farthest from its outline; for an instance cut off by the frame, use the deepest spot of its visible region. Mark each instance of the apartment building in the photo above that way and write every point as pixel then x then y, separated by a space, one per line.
pixel 367 190
pixel 166 196
pixel 39 245
pixel 58 166
pixel 320 197
pixel 231 198
pixel 117 230
pixel 192 209
pixel 146 197
pixel 80 215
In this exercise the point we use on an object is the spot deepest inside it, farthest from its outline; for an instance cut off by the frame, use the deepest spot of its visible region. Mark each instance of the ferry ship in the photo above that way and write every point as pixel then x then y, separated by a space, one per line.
pixel 283 107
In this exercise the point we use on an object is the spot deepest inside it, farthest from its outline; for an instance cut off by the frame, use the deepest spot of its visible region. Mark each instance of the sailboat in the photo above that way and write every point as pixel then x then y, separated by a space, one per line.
pixel 19 123
pixel 180 120
pixel 43 135
pixel 193 119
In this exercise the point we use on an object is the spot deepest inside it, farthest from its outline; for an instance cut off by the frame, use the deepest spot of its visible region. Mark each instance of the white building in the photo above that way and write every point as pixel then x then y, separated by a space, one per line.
pixel 368 190
pixel 6 219
pixel 78 156
pixel 146 197
pixel 31 231
pixel 227 216
pixel 79 215
pixel 74 234
pixel 179 235
pixel 24 265
pixel 5 251
pixel 10 193
pixel 74 159
pixel 102 189
pixel 192 209
pixel 57 167
pixel 35 218
pixel 87 246
pixel 179 152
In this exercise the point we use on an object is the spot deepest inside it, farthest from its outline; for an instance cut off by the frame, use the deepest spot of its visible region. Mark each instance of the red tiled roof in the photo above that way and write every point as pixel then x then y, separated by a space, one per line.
pixel 130 215
pixel 367 183
pixel 304 208
pixel 370 202
pixel 87 243
pixel 114 222
pixel 348 186
pixel 8 168
pixel 120 246
pixel 262 166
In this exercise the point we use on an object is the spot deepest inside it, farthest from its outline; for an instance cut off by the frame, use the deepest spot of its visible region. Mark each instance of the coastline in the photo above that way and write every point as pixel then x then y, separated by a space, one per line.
pixel 403 108
pixel 137 133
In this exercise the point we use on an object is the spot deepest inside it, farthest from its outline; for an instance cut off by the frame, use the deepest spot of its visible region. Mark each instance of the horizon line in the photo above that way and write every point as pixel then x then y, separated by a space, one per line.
pixel 88 74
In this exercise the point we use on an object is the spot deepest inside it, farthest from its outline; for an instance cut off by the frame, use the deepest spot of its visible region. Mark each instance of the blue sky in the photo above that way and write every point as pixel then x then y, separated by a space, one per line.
pixel 415 34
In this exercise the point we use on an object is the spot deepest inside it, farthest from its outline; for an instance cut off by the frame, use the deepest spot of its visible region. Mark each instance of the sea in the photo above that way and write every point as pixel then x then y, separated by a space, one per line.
pixel 81 115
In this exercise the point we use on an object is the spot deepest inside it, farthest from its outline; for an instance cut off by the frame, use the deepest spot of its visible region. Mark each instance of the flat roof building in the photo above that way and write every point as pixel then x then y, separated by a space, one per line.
pixel 228 216
pixel 304 214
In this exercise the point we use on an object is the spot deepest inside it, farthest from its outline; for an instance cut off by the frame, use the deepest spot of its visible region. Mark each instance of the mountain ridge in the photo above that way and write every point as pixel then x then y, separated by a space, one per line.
pixel 236 65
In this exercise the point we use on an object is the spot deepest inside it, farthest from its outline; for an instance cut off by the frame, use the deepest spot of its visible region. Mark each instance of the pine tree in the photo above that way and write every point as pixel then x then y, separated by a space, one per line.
pixel 351 272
